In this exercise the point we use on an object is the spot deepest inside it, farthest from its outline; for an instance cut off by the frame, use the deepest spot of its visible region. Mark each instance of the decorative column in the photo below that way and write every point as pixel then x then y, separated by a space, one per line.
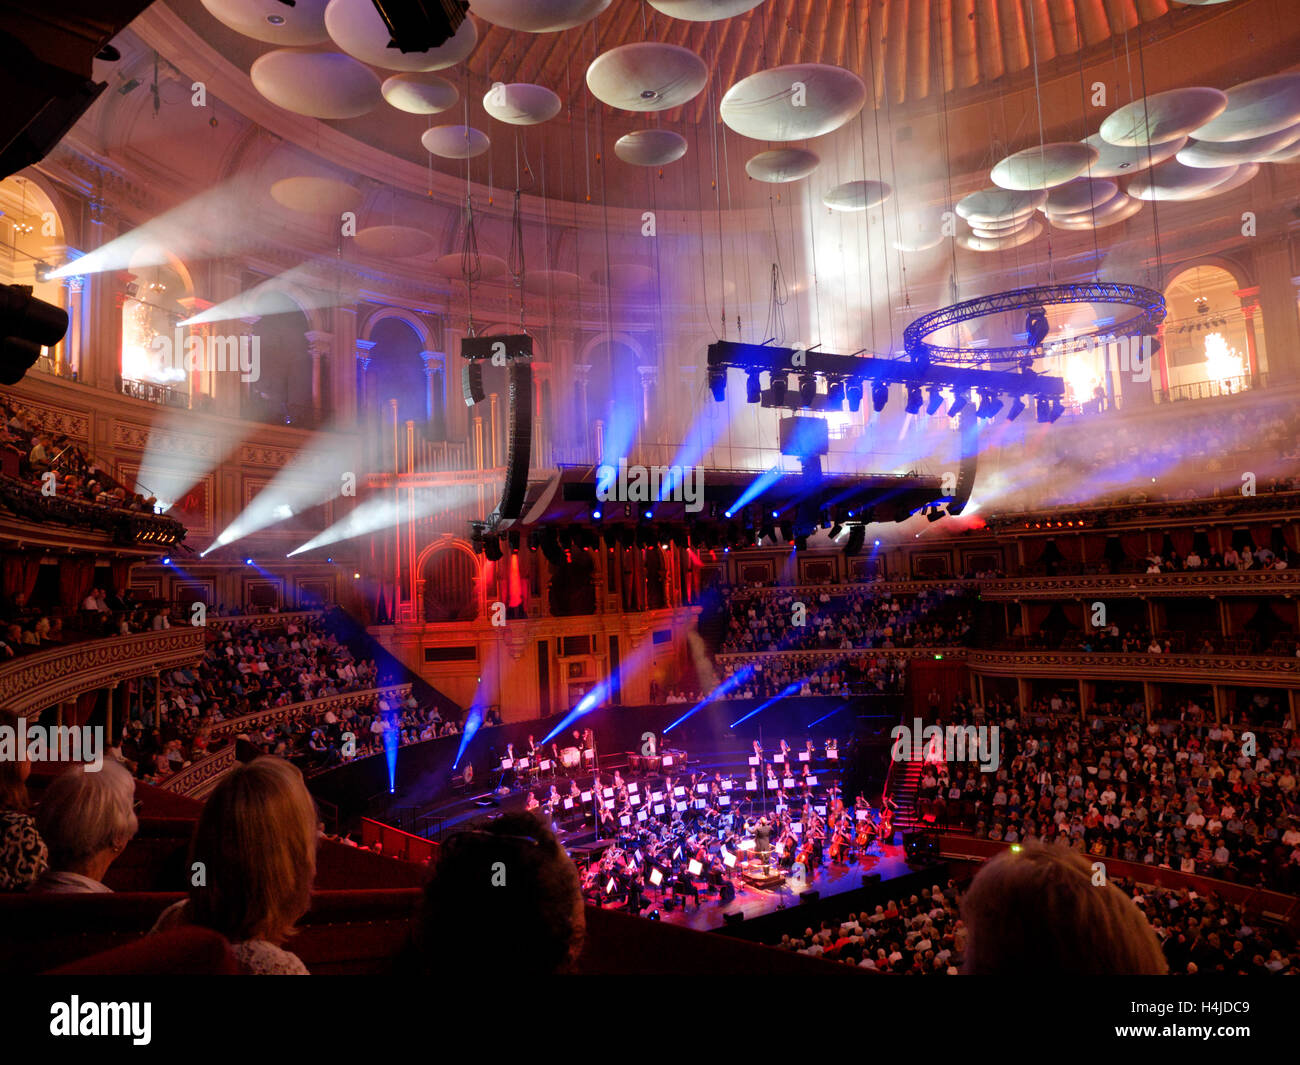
pixel 649 383
pixel 362 350
pixel 581 377
pixel 318 346
pixel 1277 306
pixel 435 375
pixel 1249 305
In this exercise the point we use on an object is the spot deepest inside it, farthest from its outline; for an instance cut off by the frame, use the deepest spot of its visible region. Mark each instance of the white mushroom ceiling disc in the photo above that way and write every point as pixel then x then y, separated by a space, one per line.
pixel 318 84
pixel 1225 153
pixel 782 164
pixel 998 233
pixel 455 142
pixel 521 104
pixel 1255 109
pixel 559 283
pixel 1242 174
pixel 704 10
pixel 490 266
pixel 857 195
pixel 1118 210
pixel 356 27
pixel 1080 195
pixel 624 276
pixel 999 205
pixel 537 16
pixel 1173 181
pixel 1114 161
pixel 650 147
pixel 647 76
pixel 1045 166
pixel 315 195
pixel 1286 155
pixel 919 230
pixel 1019 237
pixel 420 93
pixel 1164 116
pixel 793 103
pixel 1003 225
pixel 304 23
pixel 398 242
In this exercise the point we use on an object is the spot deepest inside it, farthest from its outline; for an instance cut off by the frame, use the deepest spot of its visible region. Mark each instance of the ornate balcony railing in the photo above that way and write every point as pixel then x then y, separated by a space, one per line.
pixel 200 777
pixel 348 700
pixel 1186 584
pixel 263 621
pixel 34 682
pixel 1178 668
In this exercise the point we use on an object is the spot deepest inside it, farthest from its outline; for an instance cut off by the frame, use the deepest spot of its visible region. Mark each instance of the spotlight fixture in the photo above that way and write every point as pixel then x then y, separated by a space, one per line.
pixel 959 401
pixel 989 406
pixel 1043 410
pixel 936 401
pixel 1017 408
pixel 596 515
pixel 1036 326
pixel 835 395
pixel 853 393
pixel 1056 411
pixel 492 548
pixel 913 399
pixel 26 326
pixel 718 384
pixel 167 560
pixel 807 389
pixel 779 387
pixel 753 387
pixel 879 396
pixel 248 562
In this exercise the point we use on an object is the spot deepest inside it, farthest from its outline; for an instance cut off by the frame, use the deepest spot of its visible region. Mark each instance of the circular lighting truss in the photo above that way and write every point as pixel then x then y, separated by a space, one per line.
pixel 1149 304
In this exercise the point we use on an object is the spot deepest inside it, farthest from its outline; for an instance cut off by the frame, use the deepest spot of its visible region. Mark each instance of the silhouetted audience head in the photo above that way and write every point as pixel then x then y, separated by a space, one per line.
pixel 256 839
pixel 503 897
pixel 86 819
pixel 1044 910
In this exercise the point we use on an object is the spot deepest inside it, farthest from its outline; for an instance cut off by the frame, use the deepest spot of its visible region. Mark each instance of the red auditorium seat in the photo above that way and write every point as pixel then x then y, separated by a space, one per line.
pixel 180 952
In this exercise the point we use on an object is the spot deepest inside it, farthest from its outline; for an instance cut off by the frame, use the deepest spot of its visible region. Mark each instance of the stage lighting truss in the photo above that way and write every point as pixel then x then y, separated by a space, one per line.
pixel 913 399
pixel 1149 305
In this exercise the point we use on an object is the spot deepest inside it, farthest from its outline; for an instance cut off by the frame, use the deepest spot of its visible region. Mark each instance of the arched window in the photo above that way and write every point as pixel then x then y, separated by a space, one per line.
pixel 449 592
pixel 153 363
pixel 282 393
pixel 31 240
pixel 1213 345
pixel 396 372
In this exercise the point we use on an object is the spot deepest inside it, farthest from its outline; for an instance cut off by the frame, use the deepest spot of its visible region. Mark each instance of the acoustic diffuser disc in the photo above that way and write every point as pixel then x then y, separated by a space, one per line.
pixel 1015 240
pixel 1119 209
pixel 1114 161
pixel 704 10
pixel 455 142
pixel 420 93
pixel 272 21
pixel 490 267
pixel 315 195
pixel 650 147
pixel 793 103
pixel 537 16
pixel 396 242
pixel 1225 153
pixel 317 84
pixel 647 76
pixel 356 27
pixel 521 104
pixel 1163 117
pixel 1080 195
pixel 1173 181
pixel 781 165
pixel 1256 109
pixel 999 205
pixel 857 195
pixel 1044 166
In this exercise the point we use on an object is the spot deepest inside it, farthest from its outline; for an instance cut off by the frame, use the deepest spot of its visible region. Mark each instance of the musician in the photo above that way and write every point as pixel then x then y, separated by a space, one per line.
pixel 753 774
pixel 533 752
pixel 809 748
pixel 532 803
pixel 618 779
pixel 510 753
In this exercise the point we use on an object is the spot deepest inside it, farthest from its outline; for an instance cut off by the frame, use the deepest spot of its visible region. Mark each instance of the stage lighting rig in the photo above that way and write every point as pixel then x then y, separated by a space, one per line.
pixel 780 384
pixel 418 25
pixel 959 401
pixel 718 385
pixel 1036 326
pixel 853 393
pixel 1017 408
pixel 807 389
pixel 913 399
pixel 835 395
pixel 753 387
pixel 935 403
pixel 879 396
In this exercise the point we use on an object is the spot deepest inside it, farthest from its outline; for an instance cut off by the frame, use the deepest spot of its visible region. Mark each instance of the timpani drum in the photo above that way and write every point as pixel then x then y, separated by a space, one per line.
pixel 570 758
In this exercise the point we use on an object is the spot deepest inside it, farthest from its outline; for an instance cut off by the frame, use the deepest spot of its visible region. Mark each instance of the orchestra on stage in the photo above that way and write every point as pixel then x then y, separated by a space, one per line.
pixel 682 836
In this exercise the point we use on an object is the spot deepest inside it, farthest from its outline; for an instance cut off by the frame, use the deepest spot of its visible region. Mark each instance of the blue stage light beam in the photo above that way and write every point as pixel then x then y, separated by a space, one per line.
pixel 789 689
pixel 761 484
pixel 601 692
pixel 825 716
pixel 732 682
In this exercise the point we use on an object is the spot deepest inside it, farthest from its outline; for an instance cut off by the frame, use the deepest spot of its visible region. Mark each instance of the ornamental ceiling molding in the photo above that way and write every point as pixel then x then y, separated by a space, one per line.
pixel 83 170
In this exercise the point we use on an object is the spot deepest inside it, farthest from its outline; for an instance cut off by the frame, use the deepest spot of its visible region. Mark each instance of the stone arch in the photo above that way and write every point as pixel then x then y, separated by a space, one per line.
pixel 462 596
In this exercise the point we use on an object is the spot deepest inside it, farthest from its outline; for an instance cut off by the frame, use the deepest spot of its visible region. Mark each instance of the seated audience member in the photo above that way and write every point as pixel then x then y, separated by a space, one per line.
pixel 1038 912
pixel 86 820
pixel 23 856
pixel 256 839
pixel 504 894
